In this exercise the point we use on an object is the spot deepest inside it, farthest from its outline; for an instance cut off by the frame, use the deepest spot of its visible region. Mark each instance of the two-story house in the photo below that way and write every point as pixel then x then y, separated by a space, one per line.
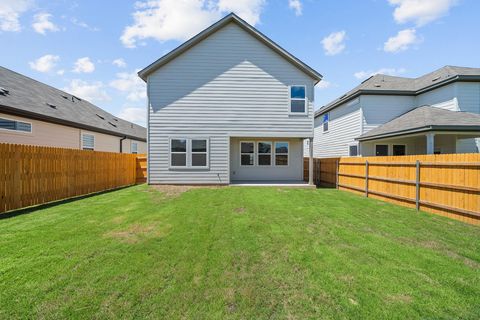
pixel 228 105
pixel 385 115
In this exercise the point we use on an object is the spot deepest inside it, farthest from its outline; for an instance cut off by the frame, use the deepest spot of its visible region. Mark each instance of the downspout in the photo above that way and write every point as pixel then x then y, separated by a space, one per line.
pixel 121 144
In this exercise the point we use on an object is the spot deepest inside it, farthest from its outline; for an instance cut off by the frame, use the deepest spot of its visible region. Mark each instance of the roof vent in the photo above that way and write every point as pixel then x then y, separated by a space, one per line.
pixel 99 116
pixel 51 105
pixel 115 119
pixel 112 124
pixel 4 91
pixel 64 97
pixel 436 78
pixel 76 98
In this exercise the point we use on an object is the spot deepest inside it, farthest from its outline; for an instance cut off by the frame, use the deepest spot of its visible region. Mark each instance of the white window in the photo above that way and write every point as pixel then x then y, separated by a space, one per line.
pixel 199 152
pixel 134 147
pixel 281 153
pixel 189 153
pixel 14 125
pixel 325 121
pixel 88 141
pixel 353 150
pixel 178 152
pixel 298 99
pixel 381 149
pixel 264 150
pixel 247 153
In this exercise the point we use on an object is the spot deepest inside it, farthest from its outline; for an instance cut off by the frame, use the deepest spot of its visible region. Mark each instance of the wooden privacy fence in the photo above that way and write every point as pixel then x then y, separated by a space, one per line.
pixel 31 175
pixel 447 184
pixel 141 170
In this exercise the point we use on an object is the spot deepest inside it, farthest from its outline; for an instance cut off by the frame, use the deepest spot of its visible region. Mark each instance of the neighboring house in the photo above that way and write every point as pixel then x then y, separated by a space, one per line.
pixel 34 113
pixel 228 105
pixel 386 115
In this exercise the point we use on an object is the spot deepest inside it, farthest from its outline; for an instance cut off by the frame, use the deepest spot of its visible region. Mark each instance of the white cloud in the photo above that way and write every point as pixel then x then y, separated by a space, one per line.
pixel 93 91
pixel 83 24
pixel 134 114
pixel 388 71
pixel 130 84
pixel 45 63
pixel 61 72
pixel 324 84
pixel 42 23
pixel 402 41
pixel 84 65
pixel 119 63
pixel 334 43
pixel 10 11
pixel 179 20
pixel 420 12
pixel 295 5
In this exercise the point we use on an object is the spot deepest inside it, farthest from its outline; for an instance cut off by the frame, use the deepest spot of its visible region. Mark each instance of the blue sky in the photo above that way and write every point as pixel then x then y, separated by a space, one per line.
pixel 94 48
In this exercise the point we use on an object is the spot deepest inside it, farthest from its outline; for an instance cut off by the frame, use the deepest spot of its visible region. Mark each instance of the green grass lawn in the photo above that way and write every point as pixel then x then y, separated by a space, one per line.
pixel 240 253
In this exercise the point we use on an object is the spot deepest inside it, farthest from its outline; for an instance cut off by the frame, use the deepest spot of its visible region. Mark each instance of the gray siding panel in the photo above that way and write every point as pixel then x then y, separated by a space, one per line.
pixel 228 85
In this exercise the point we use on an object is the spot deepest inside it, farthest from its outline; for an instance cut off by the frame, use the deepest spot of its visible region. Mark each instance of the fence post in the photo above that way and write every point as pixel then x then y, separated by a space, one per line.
pixel 417 185
pixel 337 167
pixel 366 178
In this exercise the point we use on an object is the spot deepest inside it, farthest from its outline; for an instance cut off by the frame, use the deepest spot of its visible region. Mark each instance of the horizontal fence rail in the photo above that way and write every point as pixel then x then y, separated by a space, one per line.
pixel 447 184
pixel 32 175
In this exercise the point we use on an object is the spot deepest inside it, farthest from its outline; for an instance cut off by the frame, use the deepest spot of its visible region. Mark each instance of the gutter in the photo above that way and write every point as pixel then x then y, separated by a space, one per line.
pixel 121 144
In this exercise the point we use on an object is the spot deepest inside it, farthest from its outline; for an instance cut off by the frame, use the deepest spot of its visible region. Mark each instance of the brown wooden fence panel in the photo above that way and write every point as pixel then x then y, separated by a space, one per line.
pixel 141 169
pixel 31 175
pixel 447 184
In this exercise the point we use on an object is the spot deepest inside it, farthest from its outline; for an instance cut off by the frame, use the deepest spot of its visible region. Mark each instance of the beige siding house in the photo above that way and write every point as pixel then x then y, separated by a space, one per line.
pixel 36 114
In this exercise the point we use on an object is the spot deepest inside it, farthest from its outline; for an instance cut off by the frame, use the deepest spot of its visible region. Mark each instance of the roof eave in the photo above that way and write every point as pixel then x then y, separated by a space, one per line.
pixel 418 130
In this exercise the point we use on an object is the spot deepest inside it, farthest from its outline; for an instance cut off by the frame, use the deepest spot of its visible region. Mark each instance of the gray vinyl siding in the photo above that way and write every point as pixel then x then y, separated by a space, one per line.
pixel 228 85
pixel 344 126
pixel 469 96
pixel 444 97
pixel 380 109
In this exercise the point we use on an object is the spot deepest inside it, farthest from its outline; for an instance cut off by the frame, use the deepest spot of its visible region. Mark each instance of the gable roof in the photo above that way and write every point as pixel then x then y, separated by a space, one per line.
pixel 381 84
pixel 24 96
pixel 231 18
pixel 425 118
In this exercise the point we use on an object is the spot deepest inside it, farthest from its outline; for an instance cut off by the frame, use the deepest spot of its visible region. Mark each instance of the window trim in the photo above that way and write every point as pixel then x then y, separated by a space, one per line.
pixel 382 144
pixel 358 149
pixel 131 147
pixel 400 144
pixel 241 153
pixel 83 146
pixel 258 154
pixel 188 153
pixel 323 122
pixel 17 131
pixel 275 154
pixel 305 112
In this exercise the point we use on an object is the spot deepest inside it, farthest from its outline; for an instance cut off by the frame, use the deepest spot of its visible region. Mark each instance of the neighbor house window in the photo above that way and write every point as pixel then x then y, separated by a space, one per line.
pixel 134 147
pixel 281 153
pixel 399 149
pixel 353 150
pixel 264 153
pixel 199 152
pixel 189 153
pixel 15 125
pixel 247 153
pixel 298 99
pixel 325 120
pixel 381 150
pixel 88 141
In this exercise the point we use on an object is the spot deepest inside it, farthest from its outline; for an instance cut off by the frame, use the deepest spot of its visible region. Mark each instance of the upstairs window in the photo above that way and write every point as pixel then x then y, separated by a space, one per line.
pixel 15 125
pixel 88 141
pixel 326 120
pixel 298 99
pixel 134 147
pixel 264 153
pixel 247 153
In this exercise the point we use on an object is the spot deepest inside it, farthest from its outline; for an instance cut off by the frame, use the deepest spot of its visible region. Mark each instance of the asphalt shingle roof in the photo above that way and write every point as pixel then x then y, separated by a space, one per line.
pixel 426 118
pixel 31 97
pixel 384 84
